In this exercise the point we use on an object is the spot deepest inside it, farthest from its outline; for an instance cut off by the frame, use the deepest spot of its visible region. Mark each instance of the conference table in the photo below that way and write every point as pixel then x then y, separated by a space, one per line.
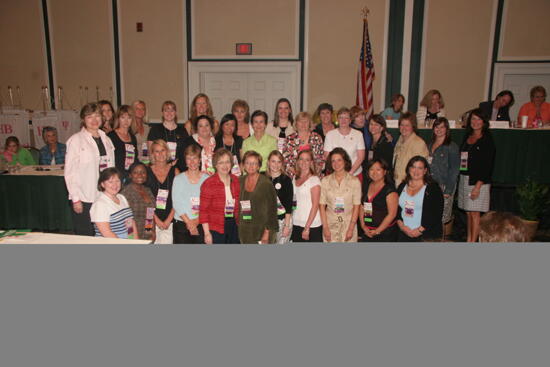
pixel 38 200
pixel 38 238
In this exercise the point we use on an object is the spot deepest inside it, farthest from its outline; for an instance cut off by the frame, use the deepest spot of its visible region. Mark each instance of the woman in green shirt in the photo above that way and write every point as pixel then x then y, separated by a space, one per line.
pixel 14 153
pixel 260 142
pixel 258 204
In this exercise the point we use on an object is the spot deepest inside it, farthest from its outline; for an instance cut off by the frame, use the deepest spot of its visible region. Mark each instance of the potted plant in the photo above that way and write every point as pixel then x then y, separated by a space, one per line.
pixel 532 199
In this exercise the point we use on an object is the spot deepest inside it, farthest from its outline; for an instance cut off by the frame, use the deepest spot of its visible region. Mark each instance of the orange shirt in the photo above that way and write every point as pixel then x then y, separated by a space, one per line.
pixel 530 110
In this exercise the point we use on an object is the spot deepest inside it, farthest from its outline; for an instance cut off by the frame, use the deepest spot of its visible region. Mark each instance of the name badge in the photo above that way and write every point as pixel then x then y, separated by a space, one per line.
pixel 281 142
pixel 246 209
pixel 130 156
pixel 144 153
pixel 229 208
pixel 236 169
pixel 195 206
pixel 162 198
pixel 367 210
pixel 172 147
pixel 130 228
pixel 294 202
pixel 370 155
pixel 338 205
pixel 430 159
pixel 103 162
pixel 463 161
pixel 149 216
pixel 280 208
pixel 409 208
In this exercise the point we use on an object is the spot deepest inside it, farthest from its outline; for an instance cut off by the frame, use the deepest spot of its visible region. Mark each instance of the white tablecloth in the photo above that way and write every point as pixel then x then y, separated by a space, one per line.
pixel 39 238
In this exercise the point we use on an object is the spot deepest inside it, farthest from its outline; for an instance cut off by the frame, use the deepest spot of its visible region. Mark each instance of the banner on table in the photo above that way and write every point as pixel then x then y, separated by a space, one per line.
pixel 14 123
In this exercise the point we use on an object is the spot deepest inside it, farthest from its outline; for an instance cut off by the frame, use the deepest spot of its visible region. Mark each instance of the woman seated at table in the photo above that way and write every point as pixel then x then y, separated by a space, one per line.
pixel 408 145
pixel 89 152
pixel 204 139
pixel 285 193
pixel 444 161
pixel 340 199
pixel 107 115
pixel 241 110
pixel 324 113
pixel 141 201
pixel 307 226
pixel 186 192
pixel 54 151
pixel 260 142
pixel 381 147
pixel 160 177
pixel 498 110
pixel 110 213
pixel 538 110
pixel 281 126
pixel 303 138
pixel 258 204
pixel 431 107
pixel 14 153
pixel 169 131
pixel 200 106
pixel 420 204
pixel 141 129
pixel 227 138
pixel 124 140
pixel 394 111
pixel 219 202
pixel 379 200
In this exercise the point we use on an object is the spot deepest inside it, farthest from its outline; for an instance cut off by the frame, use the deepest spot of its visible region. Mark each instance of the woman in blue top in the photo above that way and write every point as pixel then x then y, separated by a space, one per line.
pixel 444 161
pixel 186 192
pixel 394 111
pixel 420 204
pixel 53 152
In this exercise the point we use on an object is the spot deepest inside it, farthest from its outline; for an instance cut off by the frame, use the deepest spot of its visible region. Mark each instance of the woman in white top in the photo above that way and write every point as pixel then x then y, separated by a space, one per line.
pixel 431 107
pixel 307 190
pixel 110 213
pixel 350 139
pixel 281 126
pixel 89 152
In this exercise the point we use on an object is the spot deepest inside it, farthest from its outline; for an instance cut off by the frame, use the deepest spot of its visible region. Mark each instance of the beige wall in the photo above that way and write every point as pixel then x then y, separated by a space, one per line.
pixel 22 62
pixel 456 56
pixel 335 33
pixel 525 30
pixel 82 48
pixel 153 62
pixel 269 25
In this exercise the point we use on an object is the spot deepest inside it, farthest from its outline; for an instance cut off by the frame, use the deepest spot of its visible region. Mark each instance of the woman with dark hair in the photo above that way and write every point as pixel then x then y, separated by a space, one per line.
pixel 324 113
pixel 444 161
pixel 89 152
pixel 107 115
pixel 281 126
pixel 169 131
pixel 141 201
pixel 538 110
pixel 110 212
pixel 381 147
pixel 124 140
pixel 394 111
pixel 498 110
pixel 431 107
pixel 340 199
pixel 241 110
pixel 186 192
pixel 379 204
pixel 202 138
pixel 477 158
pixel 258 203
pixel 54 151
pixel 420 204
pixel 260 142
pixel 285 192
pixel 227 138
pixel 200 106
pixel 408 145
pixel 15 154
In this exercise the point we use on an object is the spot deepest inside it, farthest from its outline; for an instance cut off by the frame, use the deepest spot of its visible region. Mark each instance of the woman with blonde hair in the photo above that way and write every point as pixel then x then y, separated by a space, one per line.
pixel 431 107
pixel 200 106
pixel 285 192
pixel 141 129
pixel 303 138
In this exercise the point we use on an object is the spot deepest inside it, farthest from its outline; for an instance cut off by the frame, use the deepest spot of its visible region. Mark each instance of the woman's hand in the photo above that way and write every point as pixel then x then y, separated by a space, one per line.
pixel 349 234
pixel 192 227
pixel 305 234
pixel 371 233
pixel 208 238
pixel 326 233
pixel 446 196
pixel 286 231
pixel 475 193
pixel 414 233
pixel 77 207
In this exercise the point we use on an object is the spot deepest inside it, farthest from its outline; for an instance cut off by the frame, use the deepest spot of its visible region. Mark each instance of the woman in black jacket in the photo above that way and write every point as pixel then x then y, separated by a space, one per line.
pixel 477 158
pixel 498 110
pixel 420 204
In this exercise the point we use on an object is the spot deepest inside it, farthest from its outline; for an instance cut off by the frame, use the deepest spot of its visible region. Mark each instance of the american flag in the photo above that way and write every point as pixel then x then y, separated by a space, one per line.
pixel 365 74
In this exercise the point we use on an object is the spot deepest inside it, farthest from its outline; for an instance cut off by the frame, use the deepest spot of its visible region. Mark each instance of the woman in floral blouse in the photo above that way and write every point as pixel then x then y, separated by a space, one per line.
pixel 303 138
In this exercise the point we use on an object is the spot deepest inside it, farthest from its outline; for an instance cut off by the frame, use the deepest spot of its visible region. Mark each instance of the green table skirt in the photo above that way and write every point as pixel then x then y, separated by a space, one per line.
pixel 519 153
pixel 35 202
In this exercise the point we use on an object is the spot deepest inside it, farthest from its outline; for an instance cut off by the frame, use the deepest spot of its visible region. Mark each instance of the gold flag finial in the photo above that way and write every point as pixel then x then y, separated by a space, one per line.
pixel 365 12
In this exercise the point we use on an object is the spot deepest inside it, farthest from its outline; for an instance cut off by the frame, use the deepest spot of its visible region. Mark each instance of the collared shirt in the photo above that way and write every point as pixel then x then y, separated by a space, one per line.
pixel 264 146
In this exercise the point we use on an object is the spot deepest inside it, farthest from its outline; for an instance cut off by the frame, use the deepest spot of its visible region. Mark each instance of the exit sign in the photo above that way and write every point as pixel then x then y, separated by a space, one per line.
pixel 243 48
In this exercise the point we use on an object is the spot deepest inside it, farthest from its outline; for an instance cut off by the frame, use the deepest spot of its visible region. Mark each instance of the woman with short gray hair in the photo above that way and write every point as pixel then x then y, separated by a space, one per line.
pixel 54 151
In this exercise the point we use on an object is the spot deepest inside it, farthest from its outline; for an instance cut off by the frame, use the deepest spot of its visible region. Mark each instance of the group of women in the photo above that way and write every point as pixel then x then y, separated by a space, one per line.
pixel 247 179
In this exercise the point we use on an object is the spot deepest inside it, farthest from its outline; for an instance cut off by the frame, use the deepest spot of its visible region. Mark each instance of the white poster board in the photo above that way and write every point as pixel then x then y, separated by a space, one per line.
pixel 14 123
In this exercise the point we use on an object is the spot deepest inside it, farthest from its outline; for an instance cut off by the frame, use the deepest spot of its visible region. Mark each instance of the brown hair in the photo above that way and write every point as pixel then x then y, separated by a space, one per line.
pixel 502 227
pixel 173 105
pixel 193 109
pixel 253 153
pixel 87 110
pixel 280 156
pixel 218 154
pixel 242 104
pixel 276 114
pixel 344 156
pixel 427 100
pixel 409 116
pixel 535 89
pixel 125 109
pixel 312 165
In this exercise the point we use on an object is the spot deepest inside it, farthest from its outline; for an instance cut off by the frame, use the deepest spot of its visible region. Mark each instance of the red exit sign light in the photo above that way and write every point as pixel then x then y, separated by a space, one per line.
pixel 243 49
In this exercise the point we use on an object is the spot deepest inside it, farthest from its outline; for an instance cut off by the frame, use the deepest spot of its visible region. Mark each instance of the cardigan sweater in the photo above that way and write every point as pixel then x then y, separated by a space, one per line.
pixel 212 202
pixel 481 159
